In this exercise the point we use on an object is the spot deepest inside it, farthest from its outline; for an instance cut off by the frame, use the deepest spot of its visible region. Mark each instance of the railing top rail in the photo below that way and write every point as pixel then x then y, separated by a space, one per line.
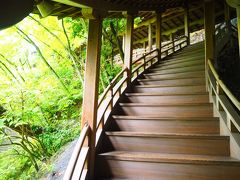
pixel 145 55
pixel 76 152
pixel 223 86
pixel 112 83
pixel 174 41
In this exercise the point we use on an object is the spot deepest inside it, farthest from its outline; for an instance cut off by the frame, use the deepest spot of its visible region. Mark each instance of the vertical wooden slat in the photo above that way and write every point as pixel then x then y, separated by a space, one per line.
pixel 150 37
pixel 158 33
pixel 91 82
pixel 123 42
pixel 129 45
pixel 186 24
pixel 172 40
pixel 238 25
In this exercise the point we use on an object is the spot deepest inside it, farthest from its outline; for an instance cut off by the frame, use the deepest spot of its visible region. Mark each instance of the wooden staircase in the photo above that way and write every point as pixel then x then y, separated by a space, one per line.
pixel 164 128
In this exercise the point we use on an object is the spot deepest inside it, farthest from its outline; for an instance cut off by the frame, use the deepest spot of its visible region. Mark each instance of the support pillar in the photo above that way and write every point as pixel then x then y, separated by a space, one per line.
pixel 209 26
pixel 226 11
pixel 186 24
pixel 129 45
pixel 158 33
pixel 150 37
pixel 91 82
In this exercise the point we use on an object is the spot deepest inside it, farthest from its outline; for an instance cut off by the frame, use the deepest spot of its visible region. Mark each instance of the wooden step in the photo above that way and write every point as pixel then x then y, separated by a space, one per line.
pixel 180 69
pixel 194 125
pixel 189 53
pixel 169 143
pixel 155 166
pixel 175 75
pixel 186 56
pixel 156 110
pixel 166 99
pixel 179 60
pixel 175 66
pixel 173 82
pixel 161 68
pixel 196 89
pixel 193 52
pixel 179 63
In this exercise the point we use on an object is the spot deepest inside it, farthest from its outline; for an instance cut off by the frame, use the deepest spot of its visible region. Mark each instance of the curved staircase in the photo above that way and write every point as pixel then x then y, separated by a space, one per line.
pixel 163 127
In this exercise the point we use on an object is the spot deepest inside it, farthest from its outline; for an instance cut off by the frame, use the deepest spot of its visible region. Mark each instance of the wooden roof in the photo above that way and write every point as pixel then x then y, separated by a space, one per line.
pixel 113 8
pixel 172 13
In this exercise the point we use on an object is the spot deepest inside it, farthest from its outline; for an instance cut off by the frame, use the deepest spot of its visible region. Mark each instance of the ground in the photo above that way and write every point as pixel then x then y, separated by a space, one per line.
pixel 60 162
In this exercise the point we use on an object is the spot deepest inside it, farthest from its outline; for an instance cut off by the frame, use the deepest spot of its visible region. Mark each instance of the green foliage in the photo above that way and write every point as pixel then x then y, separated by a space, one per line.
pixel 41 69
pixel 13 167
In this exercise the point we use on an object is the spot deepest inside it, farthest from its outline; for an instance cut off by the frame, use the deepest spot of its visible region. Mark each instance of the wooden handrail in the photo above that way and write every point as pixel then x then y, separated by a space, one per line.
pixel 145 55
pixel 110 86
pixel 224 100
pixel 170 43
pixel 223 86
pixel 76 153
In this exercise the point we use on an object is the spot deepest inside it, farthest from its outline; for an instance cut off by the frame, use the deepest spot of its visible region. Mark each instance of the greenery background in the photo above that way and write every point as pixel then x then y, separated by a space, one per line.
pixel 42 71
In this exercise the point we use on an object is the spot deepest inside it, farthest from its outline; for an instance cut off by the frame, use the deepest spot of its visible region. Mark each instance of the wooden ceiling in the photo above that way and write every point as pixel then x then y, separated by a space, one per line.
pixel 172 13
pixel 112 8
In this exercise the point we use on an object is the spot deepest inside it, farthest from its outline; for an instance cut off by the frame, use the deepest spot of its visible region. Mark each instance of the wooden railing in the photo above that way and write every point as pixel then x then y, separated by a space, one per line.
pixel 227 104
pixel 108 99
pixel 174 46
pixel 77 167
pixel 144 62
pixel 79 157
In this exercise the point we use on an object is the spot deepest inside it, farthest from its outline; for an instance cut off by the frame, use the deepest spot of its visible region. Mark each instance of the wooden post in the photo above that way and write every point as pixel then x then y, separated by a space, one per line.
pixel 209 26
pixel 91 82
pixel 186 24
pixel 226 11
pixel 150 37
pixel 238 25
pixel 158 33
pixel 123 42
pixel 172 40
pixel 128 46
pixel 144 45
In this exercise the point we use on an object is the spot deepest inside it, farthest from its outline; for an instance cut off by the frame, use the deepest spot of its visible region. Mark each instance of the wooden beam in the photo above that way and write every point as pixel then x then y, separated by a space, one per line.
pixel 91 82
pixel 112 6
pixel 71 3
pixel 150 39
pixel 158 32
pixel 164 19
pixel 129 45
